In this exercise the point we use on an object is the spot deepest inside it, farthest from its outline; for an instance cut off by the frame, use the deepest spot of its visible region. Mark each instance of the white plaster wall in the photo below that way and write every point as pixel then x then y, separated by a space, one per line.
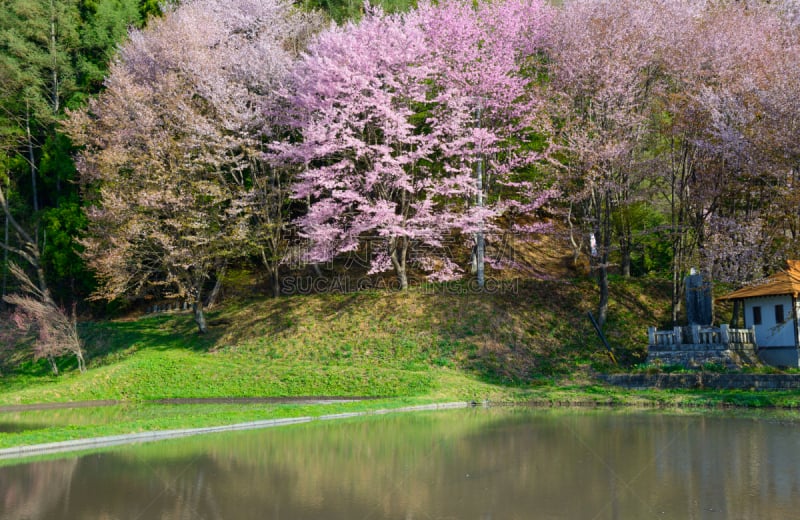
pixel 797 323
pixel 769 333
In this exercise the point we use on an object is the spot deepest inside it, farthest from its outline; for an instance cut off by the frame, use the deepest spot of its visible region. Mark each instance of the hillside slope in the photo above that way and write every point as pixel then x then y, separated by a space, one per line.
pixel 370 343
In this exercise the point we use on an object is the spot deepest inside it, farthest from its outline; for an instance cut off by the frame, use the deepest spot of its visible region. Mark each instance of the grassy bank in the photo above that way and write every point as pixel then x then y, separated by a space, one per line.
pixel 440 341
pixel 527 342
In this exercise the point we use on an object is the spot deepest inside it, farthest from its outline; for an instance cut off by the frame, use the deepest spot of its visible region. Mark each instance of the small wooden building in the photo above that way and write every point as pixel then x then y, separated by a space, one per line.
pixel 771 309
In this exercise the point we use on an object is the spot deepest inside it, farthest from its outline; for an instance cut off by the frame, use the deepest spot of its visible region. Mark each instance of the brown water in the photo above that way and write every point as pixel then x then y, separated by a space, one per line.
pixel 465 464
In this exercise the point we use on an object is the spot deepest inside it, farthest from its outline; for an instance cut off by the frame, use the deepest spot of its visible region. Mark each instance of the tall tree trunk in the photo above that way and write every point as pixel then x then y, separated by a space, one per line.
pixel 275 279
pixel 602 282
pixel 676 279
pixel 212 297
pixel 625 246
pixel 56 94
pixel 577 245
pixel 604 234
pixel 54 57
pixel 680 204
pixel 398 255
pixel 677 293
pixel 31 158
pixel 624 206
pixel 273 269
pixel 196 292
pixel 5 262
pixel 676 208
pixel 480 245
pixel 626 263
pixel 77 350
pixel 480 240
pixel 402 277
pixel 199 316
pixel 600 208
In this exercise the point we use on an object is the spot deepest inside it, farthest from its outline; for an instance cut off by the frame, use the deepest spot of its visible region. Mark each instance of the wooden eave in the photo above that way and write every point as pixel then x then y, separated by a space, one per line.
pixel 781 283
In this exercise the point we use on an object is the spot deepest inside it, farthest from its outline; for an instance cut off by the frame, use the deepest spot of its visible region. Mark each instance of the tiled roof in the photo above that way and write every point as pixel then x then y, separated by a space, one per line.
pixel 782 282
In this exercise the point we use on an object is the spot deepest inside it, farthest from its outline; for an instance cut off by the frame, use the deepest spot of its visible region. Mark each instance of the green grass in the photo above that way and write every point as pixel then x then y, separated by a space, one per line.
pixel 372 343
pixel 52 426
pixel 154 374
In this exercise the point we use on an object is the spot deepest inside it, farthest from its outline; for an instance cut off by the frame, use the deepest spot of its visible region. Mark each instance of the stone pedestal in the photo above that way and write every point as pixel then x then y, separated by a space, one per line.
pixel 695 346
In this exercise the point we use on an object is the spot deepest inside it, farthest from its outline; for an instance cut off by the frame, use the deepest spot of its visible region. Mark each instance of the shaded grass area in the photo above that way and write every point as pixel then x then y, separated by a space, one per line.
pixel 523 333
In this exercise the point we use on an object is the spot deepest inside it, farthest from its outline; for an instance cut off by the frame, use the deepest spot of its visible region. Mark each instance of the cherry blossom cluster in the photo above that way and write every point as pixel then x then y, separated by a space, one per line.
pixel 395 114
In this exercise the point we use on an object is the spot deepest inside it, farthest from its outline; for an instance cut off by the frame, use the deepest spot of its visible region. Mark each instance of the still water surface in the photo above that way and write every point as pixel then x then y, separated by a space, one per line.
pixel 463 464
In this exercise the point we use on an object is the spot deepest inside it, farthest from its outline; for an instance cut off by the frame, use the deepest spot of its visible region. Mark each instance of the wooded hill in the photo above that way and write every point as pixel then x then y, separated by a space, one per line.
pixel 252 136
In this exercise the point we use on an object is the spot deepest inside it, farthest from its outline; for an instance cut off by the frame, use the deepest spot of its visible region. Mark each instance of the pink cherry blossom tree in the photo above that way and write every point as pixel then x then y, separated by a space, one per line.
pixel 751 109
pixel 355 93
pixel 604 76
pixel 718 168
pixel 173 160
pixel 486 57
pixel 390 131
pixel 666 102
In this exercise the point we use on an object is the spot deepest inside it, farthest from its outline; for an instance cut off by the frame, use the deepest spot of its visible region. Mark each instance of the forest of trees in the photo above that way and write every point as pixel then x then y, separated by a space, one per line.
pixel 150 158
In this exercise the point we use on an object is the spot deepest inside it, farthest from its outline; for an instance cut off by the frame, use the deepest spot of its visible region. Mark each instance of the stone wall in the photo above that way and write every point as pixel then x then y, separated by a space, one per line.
pixel 706 380
pixel 692 356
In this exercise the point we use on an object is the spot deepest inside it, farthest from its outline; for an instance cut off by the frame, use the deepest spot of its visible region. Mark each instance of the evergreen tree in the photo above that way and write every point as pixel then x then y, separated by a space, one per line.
pixel 53 55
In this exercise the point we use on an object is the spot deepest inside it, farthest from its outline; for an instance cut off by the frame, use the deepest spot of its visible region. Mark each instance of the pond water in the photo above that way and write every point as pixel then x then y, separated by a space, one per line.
pixel 462 464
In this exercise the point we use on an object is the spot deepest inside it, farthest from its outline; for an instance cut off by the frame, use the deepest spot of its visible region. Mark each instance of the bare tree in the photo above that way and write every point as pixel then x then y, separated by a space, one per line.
pixel 57 333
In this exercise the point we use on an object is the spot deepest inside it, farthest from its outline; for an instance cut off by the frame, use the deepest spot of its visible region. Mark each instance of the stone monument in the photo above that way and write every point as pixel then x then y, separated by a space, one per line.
pixel 698 300
pixel 699 343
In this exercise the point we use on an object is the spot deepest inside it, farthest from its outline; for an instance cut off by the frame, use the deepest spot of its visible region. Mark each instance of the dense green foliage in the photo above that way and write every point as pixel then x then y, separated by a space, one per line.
pixel 343 10
pixel 53 56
